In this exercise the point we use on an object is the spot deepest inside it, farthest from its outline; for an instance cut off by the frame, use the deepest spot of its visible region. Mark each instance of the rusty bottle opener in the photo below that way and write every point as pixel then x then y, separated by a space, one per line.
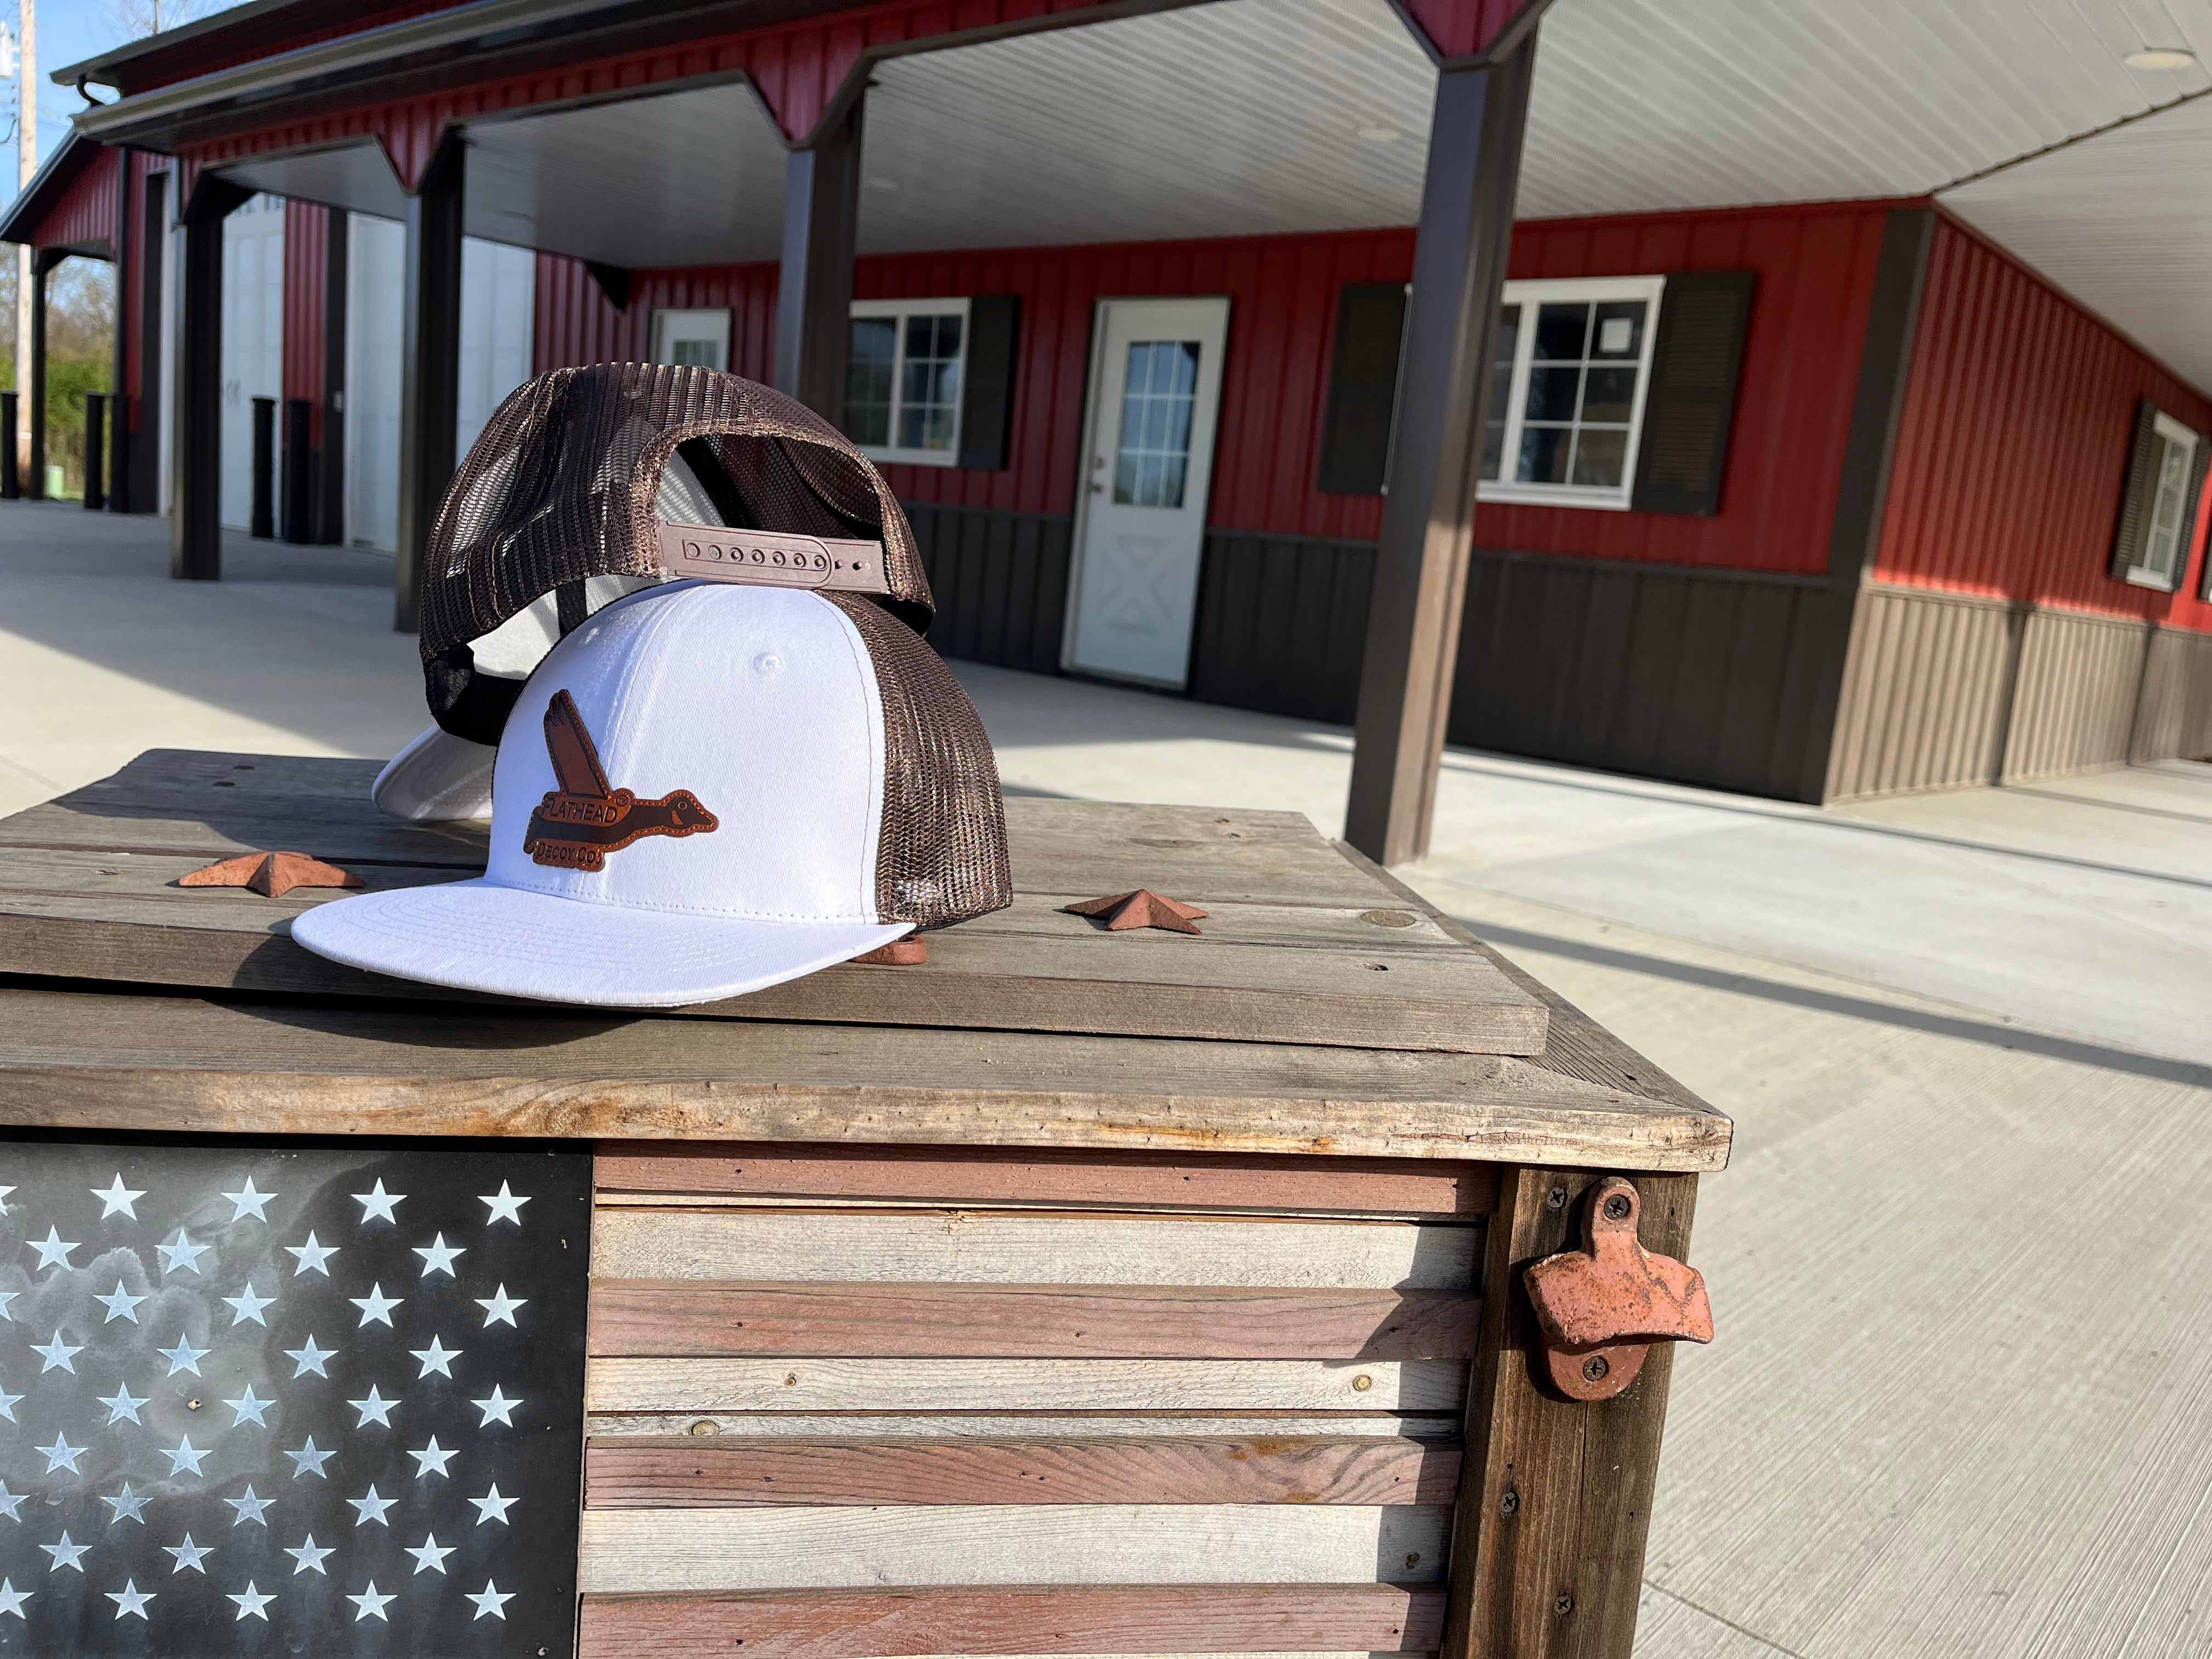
pixel 1601 1308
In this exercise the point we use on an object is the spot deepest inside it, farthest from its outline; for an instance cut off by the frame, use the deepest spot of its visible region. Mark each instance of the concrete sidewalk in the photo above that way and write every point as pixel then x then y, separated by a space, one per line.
pixel 1961 1402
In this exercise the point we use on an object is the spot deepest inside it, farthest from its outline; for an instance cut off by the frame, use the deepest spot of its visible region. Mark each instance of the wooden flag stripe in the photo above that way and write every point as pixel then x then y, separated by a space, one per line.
pixel 932 1247
pixel 837 1547
pixel 987 1175
pixel 706 1472
pixel 703 1386
pixel 1014 1425
pixel 1156 1619
pixel 644 1318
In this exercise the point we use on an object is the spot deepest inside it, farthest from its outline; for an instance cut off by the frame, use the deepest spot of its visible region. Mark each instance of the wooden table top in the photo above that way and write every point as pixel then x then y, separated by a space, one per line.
pixel 1325 1008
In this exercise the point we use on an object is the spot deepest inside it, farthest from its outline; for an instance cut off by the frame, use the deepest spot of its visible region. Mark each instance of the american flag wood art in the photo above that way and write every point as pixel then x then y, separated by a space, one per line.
pixel 288 1401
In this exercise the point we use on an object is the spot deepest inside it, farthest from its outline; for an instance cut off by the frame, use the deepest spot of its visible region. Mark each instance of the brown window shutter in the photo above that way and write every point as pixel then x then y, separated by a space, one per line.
pixel 987 404
pixel 2188 512
pixel 1362 388
pixel 2133 530
pixel 1691 401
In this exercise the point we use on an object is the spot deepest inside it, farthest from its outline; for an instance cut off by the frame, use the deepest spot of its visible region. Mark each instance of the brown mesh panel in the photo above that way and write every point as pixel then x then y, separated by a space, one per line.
pixel 942 856
pixel 560 486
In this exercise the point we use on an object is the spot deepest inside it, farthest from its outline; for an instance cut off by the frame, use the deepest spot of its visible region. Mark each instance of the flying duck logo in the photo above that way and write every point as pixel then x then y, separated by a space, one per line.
pixel 577 825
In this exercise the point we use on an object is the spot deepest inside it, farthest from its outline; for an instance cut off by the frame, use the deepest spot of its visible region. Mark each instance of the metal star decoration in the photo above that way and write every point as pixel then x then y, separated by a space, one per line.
pixel 272 875
pixel 1141 908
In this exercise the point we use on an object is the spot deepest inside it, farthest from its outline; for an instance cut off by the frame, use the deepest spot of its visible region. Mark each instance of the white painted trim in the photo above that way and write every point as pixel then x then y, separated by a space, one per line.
pixel 1528 295
pixel 2143 575
pixel 948 456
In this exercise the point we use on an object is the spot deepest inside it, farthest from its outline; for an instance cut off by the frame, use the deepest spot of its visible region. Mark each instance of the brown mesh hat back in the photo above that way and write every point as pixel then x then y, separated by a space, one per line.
pixel 561 485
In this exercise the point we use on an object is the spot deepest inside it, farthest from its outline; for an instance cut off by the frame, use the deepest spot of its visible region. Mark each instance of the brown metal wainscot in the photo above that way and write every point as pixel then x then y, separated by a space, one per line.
pixel 1102 1292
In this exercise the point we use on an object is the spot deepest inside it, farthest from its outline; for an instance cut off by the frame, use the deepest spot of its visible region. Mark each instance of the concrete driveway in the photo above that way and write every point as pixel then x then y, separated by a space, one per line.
pixel 1961 1402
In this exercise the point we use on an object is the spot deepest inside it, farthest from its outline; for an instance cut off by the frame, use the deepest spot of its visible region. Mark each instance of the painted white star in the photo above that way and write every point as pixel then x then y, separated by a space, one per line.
pixel 181 1252
pixel 374 1409
pixel 189 1555
pixel 247 1409
pixel 7 1405
pixel 371 1605
pixel 65 1554
pixel 308 1460
pixel 131 1601
pixel 492 1507
pixel 120 1304
pixel 431 1460
pixel 4 1191
pixel 249 1306
pixel 490 1599
pixel 56 1353
pixel 11 1502
pixel 11 1599
pixel 500 1309
pixel 310 1256
pixel 309 1557
pixel 54 1253
pixel 377 1202
pixel 438 1257
pixel 371 1508
pixel 126 1505
pixel 249 1507
pixel 310 1357
pixel 430 1557
pixel 62 1456
pixel 497 1406
pixel 182 1457
pixel 6 1297
pixel 436 1358
pixel 505 1206
pixel 184 1357
pixel 376 1306
pixel 251 1603
pixel 122 1404
pixel 247 1202
pixel 118 1199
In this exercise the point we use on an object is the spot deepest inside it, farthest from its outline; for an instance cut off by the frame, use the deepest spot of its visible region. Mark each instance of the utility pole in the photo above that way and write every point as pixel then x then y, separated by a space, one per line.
pixel 27 163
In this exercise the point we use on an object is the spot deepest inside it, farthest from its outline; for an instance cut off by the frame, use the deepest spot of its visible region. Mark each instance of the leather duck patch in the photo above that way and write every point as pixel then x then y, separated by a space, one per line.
pixel 577 825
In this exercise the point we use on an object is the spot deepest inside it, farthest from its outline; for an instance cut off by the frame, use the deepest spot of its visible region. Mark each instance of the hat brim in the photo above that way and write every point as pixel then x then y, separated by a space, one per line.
pixel 437 778
pixel 479 936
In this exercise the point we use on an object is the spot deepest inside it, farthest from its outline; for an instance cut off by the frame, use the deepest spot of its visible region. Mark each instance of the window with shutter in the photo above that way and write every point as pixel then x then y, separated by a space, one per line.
pixel 1695 364
pixel 2158 503
pixel 903 379
pixel 987 411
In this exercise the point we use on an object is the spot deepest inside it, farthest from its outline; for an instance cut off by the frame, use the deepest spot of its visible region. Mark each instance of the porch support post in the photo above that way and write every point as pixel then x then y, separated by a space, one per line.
pixel 430 367
pixel 1443 383
pixel 42 262
pixel 328 489
pixel 118 401
pixel 152 409
pixel 195 490
pixel 814 301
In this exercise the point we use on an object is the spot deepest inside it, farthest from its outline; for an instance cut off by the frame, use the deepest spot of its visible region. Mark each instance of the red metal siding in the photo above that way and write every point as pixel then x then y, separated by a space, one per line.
pixel 85 211
pixel 575 324
pixel 143 163
pixel 2018 417
pixel 307 264
pixel 1459 28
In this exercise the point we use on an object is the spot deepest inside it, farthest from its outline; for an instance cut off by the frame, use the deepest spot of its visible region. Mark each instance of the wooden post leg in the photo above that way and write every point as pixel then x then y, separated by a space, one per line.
pixel 195 499
pixel 1436 445
pixel 814 301
pixel 1555 1505
pixel 430 367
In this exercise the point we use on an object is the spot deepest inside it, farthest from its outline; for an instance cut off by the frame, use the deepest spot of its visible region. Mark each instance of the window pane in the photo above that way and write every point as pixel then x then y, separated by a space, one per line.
pixel 1599 455
pixel 1501 389
pixel 2162 545
pixel 1544 454
pixel 929 382
pixel 868 378
pixel 1553 393
pixel 1159 389
pixel 1561 331
pixel 1619 331
pixel 1609 394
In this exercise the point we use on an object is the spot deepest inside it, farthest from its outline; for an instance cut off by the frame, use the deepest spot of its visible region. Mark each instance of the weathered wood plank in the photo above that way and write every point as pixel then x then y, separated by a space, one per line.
pixel 969 1247
pixel 806 1548
pixel 1261 1622
pixel 983 1175
pixel 702 1319
pixel 1018 1426
pixel 184 1063
pixel 708 1386
pixel 708 1472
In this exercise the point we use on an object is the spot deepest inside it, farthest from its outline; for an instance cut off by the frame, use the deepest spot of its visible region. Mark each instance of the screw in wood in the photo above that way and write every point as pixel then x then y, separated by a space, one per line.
pixel 1511 1503
pixel 1594 1368
pixel 706 1426
pixel 1563 1604
pixel 1361 1383
pixel 1556 1198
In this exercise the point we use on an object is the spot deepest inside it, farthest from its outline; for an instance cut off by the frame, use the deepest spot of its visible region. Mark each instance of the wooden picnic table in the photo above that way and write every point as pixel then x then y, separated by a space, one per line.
pixel 1107 1292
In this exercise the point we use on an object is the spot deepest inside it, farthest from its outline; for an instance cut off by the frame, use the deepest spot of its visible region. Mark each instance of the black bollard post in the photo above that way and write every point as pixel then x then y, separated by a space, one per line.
pixel 95 451
pixel 11 480
pixel 263 522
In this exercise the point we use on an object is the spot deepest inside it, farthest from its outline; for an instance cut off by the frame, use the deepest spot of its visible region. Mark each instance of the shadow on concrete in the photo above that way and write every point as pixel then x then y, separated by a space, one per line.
pixel 60 539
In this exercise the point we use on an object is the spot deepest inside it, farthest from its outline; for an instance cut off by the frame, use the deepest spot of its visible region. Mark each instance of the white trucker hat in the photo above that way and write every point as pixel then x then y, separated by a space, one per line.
pixel 705 789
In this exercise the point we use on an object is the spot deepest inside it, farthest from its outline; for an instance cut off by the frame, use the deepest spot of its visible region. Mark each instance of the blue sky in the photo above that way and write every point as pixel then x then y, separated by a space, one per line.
pixel 70 31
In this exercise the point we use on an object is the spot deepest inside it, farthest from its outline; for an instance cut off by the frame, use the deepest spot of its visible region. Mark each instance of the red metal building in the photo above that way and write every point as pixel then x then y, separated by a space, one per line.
pixel 1865 471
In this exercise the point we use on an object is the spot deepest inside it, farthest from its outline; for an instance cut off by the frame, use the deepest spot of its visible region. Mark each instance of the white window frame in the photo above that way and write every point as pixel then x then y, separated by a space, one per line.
pixel 2175 435
pixel 696 323
pixel 1528 295
pixel 902 309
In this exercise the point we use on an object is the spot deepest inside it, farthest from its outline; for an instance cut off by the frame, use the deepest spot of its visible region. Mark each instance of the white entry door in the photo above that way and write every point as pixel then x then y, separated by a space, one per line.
pixel 1148 459
pixel 253 344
